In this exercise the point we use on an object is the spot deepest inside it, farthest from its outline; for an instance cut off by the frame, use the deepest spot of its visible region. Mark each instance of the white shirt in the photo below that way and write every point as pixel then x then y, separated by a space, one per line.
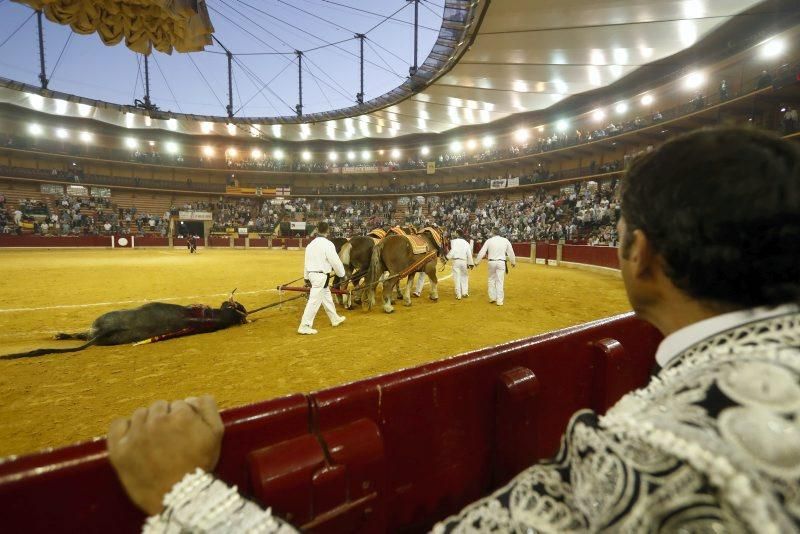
pixel 321 257
pixel 460 250
pixel 680 340
pixel 497 247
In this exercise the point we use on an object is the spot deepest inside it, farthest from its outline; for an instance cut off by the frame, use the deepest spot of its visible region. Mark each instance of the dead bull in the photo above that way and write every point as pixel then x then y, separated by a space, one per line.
pixel 154 321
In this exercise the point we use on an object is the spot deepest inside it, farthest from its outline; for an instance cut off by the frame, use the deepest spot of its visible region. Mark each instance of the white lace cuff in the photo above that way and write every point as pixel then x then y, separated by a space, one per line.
pixel 201 503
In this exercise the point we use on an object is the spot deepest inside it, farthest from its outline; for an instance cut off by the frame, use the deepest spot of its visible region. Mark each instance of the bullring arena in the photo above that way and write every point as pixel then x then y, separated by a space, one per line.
pixel 132 130
pixel 59 399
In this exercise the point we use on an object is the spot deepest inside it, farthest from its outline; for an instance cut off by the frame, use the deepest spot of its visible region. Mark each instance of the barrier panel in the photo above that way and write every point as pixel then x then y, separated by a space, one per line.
pixel 238 242
pixel 522 250
pixel 542 252
pixel 55 241
pixel 149 241
pixel 219 242
pixel 591 255
pixel 258 242
pixel 395 452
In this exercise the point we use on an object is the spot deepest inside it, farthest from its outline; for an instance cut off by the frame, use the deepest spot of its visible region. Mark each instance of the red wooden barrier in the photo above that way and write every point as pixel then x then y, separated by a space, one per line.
pixel 522 250
pixel 28 240
pixel 601 256
pixel 150 241
pixel 400 450
pixel 219 242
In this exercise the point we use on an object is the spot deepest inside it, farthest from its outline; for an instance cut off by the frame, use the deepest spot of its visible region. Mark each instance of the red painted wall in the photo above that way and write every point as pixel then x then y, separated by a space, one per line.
pixel 602 256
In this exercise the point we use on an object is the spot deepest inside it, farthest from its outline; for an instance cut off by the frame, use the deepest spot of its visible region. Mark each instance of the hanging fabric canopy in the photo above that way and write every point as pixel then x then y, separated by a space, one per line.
pixel 144 24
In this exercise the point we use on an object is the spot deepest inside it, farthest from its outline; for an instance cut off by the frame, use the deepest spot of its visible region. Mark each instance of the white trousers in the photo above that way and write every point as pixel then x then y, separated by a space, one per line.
pixel 421 276
pixel 319 295
pixel 460 278
pixel 497 275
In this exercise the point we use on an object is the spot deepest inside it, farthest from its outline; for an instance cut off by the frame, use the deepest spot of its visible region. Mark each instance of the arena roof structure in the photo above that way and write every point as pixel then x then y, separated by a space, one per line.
pixel 492 60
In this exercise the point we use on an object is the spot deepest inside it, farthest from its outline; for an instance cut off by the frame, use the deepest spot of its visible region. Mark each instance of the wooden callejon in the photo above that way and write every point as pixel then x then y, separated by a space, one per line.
pixel 404 256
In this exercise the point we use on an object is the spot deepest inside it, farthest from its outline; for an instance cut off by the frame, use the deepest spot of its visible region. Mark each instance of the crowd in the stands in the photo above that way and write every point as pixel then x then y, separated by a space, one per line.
pixel 67 215
pixel 579 213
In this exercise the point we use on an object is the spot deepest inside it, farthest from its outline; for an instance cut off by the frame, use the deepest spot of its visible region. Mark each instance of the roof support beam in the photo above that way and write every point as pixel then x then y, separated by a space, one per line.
pixel 42 73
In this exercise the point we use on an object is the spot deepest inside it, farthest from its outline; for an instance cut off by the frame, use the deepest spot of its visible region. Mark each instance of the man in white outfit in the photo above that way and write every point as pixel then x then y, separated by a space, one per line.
pixel 461 255
pixel 321 257
pixel 497 248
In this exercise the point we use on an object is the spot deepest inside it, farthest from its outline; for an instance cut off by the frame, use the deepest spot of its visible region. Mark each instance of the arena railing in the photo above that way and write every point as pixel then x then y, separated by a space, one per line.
pixel 392 453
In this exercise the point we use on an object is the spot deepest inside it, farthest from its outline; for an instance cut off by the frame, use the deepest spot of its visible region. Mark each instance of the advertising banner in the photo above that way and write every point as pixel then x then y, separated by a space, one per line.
pixel 195 215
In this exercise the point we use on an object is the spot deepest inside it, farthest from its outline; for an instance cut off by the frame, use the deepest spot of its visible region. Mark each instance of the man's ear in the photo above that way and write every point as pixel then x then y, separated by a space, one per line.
pixel 641 255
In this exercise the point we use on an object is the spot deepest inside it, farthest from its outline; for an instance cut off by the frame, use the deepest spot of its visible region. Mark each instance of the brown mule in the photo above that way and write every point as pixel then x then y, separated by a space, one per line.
pixel 355 256
pixel 396 255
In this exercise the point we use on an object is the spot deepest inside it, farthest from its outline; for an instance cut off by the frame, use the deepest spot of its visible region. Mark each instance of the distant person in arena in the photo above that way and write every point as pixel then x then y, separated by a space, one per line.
pixel 497 248
pixel 321 259
pixel 461 256
pixel 191 243
pixel 709 254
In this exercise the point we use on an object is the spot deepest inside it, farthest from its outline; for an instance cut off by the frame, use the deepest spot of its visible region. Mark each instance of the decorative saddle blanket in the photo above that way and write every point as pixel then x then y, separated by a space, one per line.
pixel 437 237
pixel 398 231
pixel 418 244
pixel 377 234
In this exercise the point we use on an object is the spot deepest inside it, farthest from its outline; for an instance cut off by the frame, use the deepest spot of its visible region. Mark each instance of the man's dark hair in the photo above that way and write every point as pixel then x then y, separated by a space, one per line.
pixel 459 232
pixel 721 206
pixel 322 227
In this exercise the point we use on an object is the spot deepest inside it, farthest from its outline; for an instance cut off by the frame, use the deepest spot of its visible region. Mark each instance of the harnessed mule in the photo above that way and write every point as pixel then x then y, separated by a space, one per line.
pixel 404 256
pixel 356 255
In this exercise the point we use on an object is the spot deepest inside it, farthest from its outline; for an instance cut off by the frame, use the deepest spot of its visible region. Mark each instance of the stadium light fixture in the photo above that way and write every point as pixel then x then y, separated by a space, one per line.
pixel 208 151
pixel 365 155
pixel 278 154
pixel 333 156
pixel 35 129
pixel 151 143
pixel 425 151
pixel 562 125
pixel 455 146
pixel 488 141
pixel 647 100
pixel 395 153
pixel 521 135
pixel 694 80
pixel 621 108
pixel 351 155
pixel 61 133
pixel 172 147
pixel 206 127
pixel 256 153
pixel 172 124
pixel 130 142
pixel 306 155
pixel 61 106
pixel 472 144
pixel 231 152
pixel 86 137
pixel 773 48
pixel 84 110
pixel 598 115
pixel 380 152
pixel 37 101
pixel 231 128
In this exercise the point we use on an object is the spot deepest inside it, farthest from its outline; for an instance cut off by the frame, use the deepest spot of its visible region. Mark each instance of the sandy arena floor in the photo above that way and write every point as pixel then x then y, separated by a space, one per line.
pixel 58 399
